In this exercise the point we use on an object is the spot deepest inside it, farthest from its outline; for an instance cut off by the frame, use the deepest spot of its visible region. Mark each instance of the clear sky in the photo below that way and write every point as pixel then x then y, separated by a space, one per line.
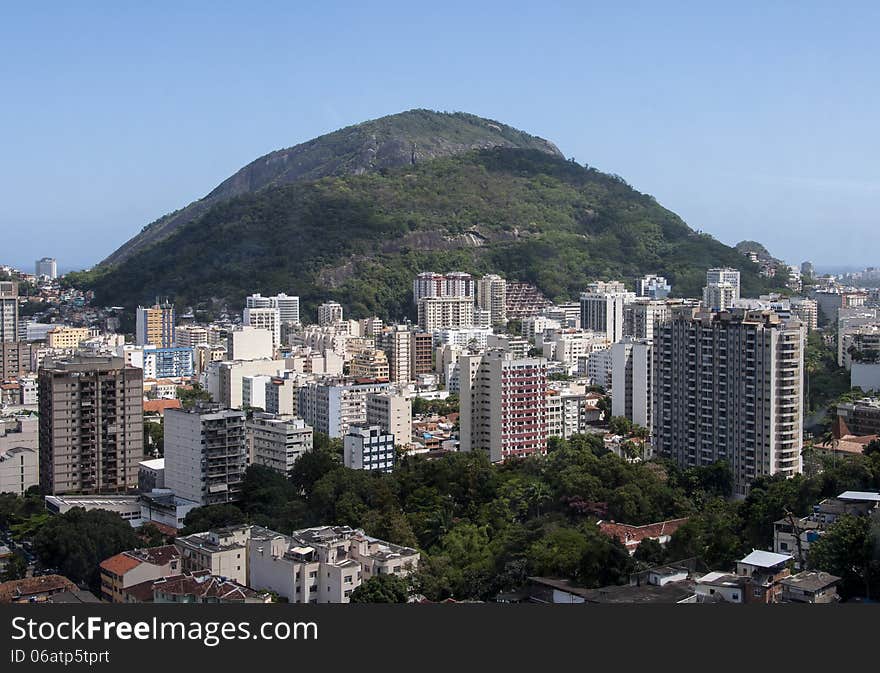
pixel 758 120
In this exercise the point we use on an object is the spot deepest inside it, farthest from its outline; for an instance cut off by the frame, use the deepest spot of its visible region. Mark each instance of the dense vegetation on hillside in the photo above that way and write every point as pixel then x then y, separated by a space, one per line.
pixel 484 528
pixel 360 239
pixel 409 137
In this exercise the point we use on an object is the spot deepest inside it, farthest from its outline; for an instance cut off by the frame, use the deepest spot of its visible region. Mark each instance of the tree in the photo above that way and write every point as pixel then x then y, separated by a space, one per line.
pixel 78 540
pixel 189 397
pixel 848 550
pixel 205 518
pixel 381 589
pixel 16 568
pixel 559 553
pixel 620 425
pixel 650 552
pixel 154 438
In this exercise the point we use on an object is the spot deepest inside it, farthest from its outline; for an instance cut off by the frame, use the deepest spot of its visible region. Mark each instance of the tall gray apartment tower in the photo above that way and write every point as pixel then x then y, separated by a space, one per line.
pixel 8 311
pixel 91 425
pixel 729 386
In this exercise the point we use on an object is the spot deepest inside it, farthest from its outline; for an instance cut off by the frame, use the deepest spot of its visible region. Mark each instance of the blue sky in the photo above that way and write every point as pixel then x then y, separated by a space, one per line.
pixel 758 120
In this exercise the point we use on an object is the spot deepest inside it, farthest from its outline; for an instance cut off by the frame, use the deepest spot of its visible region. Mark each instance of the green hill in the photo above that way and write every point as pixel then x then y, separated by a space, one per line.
pixel 402 139
pixel 527 214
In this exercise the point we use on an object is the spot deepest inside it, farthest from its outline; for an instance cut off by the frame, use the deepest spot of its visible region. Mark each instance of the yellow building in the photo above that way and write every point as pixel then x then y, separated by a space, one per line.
pixel 370 364
pixel 155 326
pixel 66 337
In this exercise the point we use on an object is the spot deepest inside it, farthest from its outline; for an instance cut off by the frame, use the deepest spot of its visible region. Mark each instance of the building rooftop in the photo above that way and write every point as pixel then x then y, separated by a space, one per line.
pixel 160 406
pixel 154 464
pixel 22 589
pixel 91 500
pixel 74 597
pixel 203 585
pixel 861 496
pixel 629 534
pixel 671 592
pixel 811 580
pixel 765 559
pixel 722 579
pixel 128 560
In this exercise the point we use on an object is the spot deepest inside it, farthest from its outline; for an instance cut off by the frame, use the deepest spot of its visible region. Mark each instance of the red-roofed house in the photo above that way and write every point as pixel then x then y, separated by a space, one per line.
pixel 159 406
pixel 134 567
pixel 632 536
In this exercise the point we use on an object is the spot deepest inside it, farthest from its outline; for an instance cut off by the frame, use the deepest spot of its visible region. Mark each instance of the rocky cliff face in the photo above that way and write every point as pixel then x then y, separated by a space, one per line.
pixel 389 142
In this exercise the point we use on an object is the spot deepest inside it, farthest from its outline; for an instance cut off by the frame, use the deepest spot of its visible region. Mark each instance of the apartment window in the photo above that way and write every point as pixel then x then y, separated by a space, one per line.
pixel 313 574
pixel 348 579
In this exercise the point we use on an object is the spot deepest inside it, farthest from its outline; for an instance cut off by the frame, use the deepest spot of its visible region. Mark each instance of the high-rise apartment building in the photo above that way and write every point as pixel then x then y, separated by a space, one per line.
pixel 729 386
pixel 205 453
pixel 453 284
pixel 368 448
pixel 267 319
pixel 397 343
pixel 370 364
pixel 287 305
pixel 652 287
pixel 807 311
pixel 602 308
pixel 392 413
pixel 632 375
pixel 492 297
pixel 422 353
pixel 155 326
pixel 722 289
pixel 329 312
pixel 436 313
pixel 719 275
pixel 91 425
pixel 66 337
pixel 15 359
pixel 277 442
pixel 643 315
pixel 46 267
pixel 190 336
pixel 503 405
pixel 332 406
pixel 8 311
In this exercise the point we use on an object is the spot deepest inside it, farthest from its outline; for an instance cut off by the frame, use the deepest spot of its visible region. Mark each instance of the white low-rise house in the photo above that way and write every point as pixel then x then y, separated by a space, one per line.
pixel 223 552
pixel 721 587
pixel 323 564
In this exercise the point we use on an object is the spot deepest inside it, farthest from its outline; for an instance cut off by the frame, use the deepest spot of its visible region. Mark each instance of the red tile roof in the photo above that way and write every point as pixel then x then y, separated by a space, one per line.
pixel 127 560
pixel 159 406
pixel 20 590
pixel 631 536
pixel 120 564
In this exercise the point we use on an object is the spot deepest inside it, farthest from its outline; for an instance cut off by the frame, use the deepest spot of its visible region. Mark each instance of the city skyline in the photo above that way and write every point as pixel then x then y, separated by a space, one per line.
pixel 750 124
